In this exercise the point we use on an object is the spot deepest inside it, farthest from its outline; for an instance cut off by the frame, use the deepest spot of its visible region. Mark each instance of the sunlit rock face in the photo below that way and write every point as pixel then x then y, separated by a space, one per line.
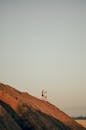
pixel 21 111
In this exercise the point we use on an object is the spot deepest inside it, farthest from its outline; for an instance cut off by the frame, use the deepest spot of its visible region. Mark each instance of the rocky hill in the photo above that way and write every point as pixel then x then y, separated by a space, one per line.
pixel 21 111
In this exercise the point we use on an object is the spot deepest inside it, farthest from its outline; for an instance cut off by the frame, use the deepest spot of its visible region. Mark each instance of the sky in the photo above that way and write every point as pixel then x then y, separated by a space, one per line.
pixel 43 46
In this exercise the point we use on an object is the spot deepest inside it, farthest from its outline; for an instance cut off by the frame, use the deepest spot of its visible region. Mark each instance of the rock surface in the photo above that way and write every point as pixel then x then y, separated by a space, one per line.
pixel 21 111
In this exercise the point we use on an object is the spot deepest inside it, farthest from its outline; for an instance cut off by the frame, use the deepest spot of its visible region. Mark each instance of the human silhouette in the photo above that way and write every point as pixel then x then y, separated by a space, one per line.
pixel 44 94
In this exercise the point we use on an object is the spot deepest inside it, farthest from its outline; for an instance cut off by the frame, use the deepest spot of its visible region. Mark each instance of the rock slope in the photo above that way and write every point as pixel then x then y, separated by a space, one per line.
pixel 21 111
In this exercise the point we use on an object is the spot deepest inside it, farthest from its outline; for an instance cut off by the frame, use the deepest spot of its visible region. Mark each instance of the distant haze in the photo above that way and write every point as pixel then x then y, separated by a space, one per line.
pixel 43 46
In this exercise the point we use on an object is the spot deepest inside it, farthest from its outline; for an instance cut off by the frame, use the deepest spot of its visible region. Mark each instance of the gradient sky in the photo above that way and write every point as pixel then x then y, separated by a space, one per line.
pixel 43 45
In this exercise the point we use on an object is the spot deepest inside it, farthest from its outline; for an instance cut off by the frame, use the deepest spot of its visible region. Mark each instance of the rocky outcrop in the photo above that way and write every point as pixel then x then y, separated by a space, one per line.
pixel 21 111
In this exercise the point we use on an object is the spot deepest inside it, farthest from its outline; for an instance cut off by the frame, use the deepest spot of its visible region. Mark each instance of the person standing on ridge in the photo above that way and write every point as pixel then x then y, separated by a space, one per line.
pixel 44 94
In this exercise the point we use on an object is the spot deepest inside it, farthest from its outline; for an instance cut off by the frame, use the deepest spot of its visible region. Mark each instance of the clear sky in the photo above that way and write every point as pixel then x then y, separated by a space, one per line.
pixel 43 45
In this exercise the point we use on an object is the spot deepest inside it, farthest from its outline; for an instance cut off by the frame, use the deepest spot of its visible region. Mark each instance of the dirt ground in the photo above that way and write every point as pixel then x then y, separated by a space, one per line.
pixel 82 122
